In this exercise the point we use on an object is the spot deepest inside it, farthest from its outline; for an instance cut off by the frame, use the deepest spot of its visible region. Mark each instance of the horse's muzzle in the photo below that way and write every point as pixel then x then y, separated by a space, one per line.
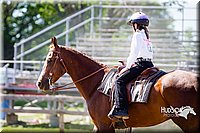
pixel 43 84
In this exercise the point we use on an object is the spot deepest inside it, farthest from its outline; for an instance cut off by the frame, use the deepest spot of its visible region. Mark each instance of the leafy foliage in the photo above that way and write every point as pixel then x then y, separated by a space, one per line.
pixel 22 19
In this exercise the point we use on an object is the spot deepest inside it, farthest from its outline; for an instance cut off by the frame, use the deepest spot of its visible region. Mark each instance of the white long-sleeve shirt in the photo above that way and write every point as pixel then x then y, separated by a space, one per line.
pixel 140 47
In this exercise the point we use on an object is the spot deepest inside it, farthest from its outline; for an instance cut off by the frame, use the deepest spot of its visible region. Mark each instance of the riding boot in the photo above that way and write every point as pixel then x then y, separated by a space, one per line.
pixel 120 108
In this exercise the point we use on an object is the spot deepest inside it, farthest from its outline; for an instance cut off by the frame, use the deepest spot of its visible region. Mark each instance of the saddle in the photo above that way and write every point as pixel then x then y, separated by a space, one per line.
pixel 137 90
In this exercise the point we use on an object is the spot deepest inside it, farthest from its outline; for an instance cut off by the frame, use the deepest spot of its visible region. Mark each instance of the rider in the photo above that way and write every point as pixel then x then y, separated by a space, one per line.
pixel 139 59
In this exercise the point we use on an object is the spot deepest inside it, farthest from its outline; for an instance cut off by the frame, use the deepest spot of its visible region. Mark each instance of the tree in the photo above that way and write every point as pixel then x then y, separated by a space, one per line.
pixel 22 19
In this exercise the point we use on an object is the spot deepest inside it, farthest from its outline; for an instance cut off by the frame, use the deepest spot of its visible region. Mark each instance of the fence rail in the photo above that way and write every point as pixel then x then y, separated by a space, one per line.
pixel 55 99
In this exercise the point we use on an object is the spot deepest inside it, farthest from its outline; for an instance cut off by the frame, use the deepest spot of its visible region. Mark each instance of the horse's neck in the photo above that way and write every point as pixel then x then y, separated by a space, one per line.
pixel 80 66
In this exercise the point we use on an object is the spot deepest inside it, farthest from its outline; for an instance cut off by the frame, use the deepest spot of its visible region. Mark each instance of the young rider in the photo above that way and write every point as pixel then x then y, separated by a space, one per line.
pixel 139 59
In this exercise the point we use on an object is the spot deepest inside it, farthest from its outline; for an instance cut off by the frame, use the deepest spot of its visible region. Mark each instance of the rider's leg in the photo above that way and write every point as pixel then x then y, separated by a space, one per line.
pixel 120 108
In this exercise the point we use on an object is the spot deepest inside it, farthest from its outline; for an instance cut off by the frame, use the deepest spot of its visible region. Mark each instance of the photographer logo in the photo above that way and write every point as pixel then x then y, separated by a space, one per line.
pixel 177 112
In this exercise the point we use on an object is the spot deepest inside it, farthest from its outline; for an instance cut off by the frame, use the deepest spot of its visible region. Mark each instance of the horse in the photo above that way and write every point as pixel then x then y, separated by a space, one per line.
pixel 177 88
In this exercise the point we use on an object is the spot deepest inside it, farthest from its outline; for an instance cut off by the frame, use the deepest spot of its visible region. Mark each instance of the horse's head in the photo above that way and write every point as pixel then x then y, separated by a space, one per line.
pixel 53 67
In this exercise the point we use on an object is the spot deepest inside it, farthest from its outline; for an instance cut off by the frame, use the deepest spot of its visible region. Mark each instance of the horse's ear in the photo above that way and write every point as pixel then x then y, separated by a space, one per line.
pixel 54 42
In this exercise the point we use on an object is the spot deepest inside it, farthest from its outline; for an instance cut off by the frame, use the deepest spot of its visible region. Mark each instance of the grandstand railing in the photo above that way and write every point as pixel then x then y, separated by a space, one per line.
pixel 65 33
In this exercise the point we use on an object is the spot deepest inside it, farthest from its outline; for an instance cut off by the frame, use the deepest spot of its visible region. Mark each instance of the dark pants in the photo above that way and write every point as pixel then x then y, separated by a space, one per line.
pixel 121 100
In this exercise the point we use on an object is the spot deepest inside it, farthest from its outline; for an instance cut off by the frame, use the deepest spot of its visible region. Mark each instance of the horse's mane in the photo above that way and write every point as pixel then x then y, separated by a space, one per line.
pixel 73 50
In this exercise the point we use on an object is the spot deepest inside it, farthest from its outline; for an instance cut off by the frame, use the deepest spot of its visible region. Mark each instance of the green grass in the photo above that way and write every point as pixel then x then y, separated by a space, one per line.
pixel 84 128
pixel 45 128
pixel 27 130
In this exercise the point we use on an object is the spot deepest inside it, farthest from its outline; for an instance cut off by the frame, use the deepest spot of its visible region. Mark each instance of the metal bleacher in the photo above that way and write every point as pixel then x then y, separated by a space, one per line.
pixel 108 47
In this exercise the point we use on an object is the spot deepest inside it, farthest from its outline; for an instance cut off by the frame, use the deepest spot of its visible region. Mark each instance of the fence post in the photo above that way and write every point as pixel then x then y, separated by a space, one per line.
pixel 15 64
pixel 67 33
pixel 6 74
pixel 22 58
pixel 11 118
pixel 54 120
pixel 61 116
pixel 100 15
pixel 92 22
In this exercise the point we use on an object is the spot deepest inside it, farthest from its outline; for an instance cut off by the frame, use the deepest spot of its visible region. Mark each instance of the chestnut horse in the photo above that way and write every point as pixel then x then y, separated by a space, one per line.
pixel 175 89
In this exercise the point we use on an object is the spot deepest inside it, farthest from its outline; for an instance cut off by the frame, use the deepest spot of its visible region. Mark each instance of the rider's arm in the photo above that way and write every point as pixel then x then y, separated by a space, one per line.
pixel 135 49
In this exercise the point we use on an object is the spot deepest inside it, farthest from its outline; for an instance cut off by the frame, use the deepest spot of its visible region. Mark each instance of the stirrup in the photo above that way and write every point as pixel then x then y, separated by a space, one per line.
pixel 119 124
pixel 113 113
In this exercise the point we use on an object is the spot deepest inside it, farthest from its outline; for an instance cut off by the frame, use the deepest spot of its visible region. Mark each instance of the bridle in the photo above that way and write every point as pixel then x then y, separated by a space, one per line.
pixel 49 77
pixel 58 57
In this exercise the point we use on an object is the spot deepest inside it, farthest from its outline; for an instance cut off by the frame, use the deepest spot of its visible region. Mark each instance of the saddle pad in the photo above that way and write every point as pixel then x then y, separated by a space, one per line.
pixel 107 82
pixel 141 90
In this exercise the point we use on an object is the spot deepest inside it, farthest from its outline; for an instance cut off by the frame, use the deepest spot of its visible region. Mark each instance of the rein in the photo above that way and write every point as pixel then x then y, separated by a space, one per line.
pixel 79 80
pixel 74 82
